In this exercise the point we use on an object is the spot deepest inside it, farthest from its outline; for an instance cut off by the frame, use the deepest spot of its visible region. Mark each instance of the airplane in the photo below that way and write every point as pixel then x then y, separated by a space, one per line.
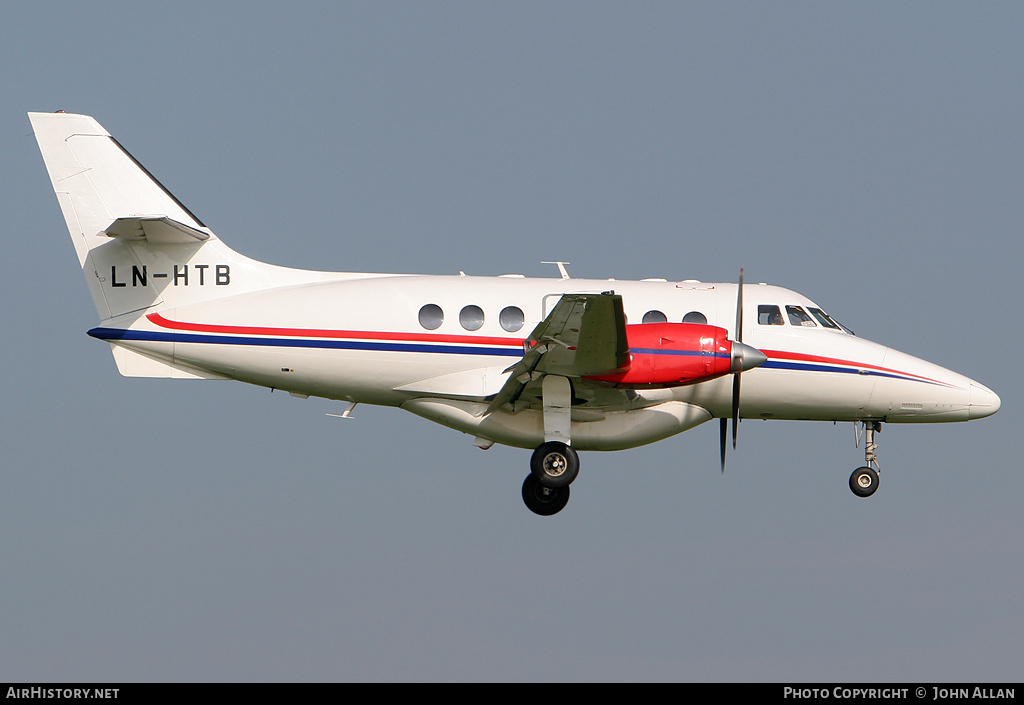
pixel 548 364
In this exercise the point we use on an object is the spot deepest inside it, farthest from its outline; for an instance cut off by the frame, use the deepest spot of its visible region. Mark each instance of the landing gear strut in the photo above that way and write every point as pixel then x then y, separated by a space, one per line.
pixel 864 480
pixel 554 464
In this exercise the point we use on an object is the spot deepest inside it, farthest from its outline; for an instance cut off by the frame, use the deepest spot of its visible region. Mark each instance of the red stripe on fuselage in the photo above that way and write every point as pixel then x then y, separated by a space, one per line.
pixel 801 357
pixel 163 322
pixel 327 333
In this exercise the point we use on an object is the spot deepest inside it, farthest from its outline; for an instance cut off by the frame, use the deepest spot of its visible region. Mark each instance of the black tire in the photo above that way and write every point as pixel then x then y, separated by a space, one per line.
pixel 864 482
pixel 542 500
pixel 555 464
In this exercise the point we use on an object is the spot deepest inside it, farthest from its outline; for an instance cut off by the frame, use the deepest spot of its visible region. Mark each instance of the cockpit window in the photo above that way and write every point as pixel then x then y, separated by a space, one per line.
pixel 769 315
pixel 798 317
pixel 823 318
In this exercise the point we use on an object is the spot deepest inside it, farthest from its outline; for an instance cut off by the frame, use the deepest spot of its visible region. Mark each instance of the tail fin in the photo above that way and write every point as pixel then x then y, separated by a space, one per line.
pixel 138 246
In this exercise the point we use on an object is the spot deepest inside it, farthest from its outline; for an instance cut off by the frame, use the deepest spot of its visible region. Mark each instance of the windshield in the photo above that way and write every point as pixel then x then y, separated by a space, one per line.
pixel 827 321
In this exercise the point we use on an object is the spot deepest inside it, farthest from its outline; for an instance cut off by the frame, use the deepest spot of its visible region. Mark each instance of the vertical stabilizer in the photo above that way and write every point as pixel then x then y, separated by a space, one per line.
pixel 138 245
pixel 107 199
pixel 96 180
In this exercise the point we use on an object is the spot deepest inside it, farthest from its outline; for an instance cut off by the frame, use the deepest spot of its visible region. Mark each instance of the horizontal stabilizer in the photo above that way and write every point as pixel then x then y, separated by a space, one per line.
pixel 157 230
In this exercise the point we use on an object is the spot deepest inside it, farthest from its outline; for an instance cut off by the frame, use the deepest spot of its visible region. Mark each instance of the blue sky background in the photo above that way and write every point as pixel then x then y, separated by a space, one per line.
pixel 868 155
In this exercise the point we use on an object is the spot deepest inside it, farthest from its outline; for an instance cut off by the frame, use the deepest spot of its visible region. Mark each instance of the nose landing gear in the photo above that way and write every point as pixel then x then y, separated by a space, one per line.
pixel 864 480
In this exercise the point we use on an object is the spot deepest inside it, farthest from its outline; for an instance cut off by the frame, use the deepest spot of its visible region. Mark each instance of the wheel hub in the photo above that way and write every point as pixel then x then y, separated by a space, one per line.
pixel 554 464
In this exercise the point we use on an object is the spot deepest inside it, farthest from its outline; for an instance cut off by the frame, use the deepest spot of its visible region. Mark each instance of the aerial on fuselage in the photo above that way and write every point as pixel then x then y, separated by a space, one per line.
pixel 556 365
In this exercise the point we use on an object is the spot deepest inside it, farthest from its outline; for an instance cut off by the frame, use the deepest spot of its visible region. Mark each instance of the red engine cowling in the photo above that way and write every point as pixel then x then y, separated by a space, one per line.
pixel 673 354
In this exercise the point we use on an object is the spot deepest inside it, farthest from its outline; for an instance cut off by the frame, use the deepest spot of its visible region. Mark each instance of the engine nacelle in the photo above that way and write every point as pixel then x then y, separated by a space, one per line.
pixel 674 354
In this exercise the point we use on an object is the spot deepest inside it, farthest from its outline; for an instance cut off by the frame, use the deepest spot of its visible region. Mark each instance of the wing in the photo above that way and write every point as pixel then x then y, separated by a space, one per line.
pixel 584 335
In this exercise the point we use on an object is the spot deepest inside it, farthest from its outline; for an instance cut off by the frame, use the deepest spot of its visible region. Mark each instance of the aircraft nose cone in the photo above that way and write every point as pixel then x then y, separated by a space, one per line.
pixel 984 402
pixel 745 357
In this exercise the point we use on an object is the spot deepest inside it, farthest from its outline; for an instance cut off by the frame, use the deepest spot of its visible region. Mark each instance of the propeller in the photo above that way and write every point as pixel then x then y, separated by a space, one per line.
pixel 744 357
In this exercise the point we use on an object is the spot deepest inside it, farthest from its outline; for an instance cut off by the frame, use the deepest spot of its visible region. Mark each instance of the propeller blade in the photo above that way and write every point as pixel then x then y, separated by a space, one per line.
pixel 744 357
pixel 739 309
pixel 723 433
pixel 735 407
pixel 738 369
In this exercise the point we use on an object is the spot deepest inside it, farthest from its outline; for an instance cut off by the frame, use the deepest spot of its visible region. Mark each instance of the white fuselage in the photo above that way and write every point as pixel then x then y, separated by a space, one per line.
pixel 359 338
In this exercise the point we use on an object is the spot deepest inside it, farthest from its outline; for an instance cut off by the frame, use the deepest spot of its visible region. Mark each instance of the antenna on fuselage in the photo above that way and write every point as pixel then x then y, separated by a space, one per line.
pixel 347 413
pixel 561 268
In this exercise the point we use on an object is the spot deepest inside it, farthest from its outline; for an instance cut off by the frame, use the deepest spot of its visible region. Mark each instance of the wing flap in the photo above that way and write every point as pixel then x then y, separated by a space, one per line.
pixel 593 336
pixel 584 335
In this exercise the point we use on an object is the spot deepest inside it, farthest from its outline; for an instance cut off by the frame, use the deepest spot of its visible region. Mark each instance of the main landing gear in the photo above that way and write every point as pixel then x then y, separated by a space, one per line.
pixel 553 467
pixel 554 464
pixel 864 480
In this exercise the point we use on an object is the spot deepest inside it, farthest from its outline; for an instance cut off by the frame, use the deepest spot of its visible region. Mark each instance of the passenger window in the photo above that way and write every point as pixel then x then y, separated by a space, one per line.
pixel 431 316
pixel 695 317
pixel 799 317
pixel 511 318
pixel 471 317
pixel 655 317
pixel 823 318
pixel 769 315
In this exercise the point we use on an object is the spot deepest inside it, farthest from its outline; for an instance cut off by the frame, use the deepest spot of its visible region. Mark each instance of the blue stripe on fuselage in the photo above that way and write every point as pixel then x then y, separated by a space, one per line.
pixel 113 334
pixel 810 367
pixel 159 336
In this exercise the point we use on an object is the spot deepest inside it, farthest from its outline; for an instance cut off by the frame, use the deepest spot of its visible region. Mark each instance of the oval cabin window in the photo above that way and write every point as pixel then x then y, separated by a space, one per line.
pixel 431 316
pixel 511 318
pixel 471 317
